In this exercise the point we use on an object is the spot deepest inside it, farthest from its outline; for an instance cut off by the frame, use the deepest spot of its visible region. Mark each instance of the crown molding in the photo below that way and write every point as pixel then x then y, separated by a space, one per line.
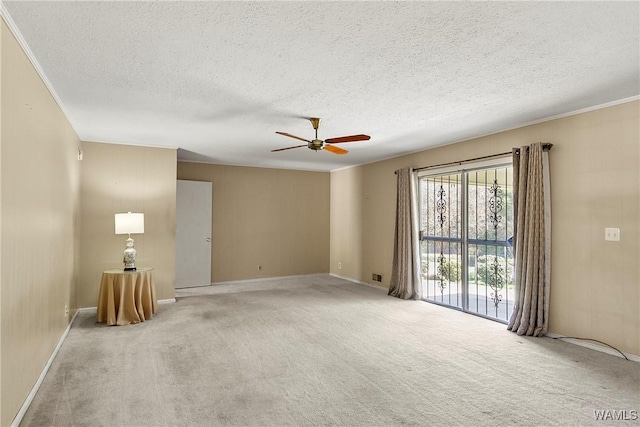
pixel 6 16
pixel 521 125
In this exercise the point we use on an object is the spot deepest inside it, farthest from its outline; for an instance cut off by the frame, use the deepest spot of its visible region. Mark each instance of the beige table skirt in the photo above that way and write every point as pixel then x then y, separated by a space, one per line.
pixel 127 296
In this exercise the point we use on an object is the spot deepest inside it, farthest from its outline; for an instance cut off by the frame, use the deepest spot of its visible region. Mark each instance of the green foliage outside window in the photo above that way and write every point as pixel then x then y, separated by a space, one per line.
pixel 496 269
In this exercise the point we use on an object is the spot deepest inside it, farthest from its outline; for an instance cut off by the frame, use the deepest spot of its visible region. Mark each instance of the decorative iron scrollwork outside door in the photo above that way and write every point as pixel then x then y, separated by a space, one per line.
pixel 466 225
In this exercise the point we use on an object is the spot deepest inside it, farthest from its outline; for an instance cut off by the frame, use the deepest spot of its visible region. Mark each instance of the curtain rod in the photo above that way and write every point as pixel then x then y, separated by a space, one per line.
pixel 546 147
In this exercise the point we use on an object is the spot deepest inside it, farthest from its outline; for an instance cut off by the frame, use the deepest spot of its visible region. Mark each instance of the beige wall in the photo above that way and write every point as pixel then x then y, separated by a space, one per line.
pixel 39 177
pixel 122 178
pixel 347 199
pixel 595 178
pixel 278 219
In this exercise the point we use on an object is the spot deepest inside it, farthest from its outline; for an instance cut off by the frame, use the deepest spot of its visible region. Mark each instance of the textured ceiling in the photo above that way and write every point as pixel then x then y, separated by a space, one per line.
pixel 217 79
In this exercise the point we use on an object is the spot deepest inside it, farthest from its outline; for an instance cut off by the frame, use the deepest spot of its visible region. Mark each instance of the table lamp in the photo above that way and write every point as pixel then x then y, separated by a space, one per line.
pixel 128 223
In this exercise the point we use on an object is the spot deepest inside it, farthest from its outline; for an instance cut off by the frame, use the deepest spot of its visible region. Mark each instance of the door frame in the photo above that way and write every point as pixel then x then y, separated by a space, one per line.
pixel 463 240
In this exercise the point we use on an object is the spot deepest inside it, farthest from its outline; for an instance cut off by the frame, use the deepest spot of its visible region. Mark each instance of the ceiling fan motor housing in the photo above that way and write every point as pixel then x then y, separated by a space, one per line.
pixel 316 144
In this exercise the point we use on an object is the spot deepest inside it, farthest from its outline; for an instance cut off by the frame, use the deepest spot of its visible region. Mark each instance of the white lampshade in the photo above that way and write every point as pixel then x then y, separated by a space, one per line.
pixel 129 223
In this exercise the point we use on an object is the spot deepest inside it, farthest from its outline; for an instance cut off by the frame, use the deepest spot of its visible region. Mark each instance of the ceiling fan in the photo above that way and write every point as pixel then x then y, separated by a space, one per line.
pixel 317 144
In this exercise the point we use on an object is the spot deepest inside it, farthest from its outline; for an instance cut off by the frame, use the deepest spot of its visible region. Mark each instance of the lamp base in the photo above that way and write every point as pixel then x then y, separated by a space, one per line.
pixel 129 258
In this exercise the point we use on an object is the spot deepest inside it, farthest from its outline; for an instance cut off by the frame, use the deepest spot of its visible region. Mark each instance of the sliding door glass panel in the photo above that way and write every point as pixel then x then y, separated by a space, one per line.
pixel 490 233
pixel 441 238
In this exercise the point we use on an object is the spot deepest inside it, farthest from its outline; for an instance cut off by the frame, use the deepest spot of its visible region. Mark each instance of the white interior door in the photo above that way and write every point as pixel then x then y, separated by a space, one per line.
pixel 193 236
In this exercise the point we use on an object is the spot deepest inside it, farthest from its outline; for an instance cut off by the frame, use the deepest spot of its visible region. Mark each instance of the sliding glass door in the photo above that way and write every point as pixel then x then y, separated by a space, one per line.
pixel 466 229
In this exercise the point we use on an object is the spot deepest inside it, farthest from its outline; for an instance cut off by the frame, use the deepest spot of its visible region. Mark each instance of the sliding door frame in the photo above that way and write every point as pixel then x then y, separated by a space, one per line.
pixel 464 241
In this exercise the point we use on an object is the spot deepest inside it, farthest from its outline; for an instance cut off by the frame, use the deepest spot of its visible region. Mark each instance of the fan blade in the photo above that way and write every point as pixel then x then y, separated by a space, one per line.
pixel 292 136
pixel 289 148
pixel 335 150
pixel 350 138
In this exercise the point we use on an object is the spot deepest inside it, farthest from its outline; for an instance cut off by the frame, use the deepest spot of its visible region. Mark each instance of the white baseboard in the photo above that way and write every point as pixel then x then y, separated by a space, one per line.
pixel 92 310
pixel 382 288
pixel 583 343
pixel 594 346
pixel 23 409
pixel 265 279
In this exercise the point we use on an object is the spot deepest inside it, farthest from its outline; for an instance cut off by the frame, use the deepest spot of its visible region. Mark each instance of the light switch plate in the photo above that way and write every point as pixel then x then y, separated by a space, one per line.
pixel 612 234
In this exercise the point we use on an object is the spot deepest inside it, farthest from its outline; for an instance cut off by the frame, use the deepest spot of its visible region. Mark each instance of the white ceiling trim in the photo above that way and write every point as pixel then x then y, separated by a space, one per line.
pixel 131 145
pixel 534 122
pixel 263 167
pixel 4 13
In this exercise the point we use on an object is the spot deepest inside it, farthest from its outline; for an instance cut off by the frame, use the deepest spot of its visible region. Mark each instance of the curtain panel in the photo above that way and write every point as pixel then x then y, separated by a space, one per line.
pixel 405 281
pixel 532 242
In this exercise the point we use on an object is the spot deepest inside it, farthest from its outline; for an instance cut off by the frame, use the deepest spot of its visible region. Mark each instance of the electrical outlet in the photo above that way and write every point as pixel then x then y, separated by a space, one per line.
pixel 260 267
pixel 339 265
pixel 66 310
pixel 612 234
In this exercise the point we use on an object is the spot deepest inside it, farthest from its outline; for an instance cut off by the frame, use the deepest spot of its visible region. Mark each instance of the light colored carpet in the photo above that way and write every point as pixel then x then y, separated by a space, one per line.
pixel 319 350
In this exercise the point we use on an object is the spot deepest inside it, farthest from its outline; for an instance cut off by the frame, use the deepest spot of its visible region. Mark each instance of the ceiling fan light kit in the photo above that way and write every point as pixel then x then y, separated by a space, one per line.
pixel 318 144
